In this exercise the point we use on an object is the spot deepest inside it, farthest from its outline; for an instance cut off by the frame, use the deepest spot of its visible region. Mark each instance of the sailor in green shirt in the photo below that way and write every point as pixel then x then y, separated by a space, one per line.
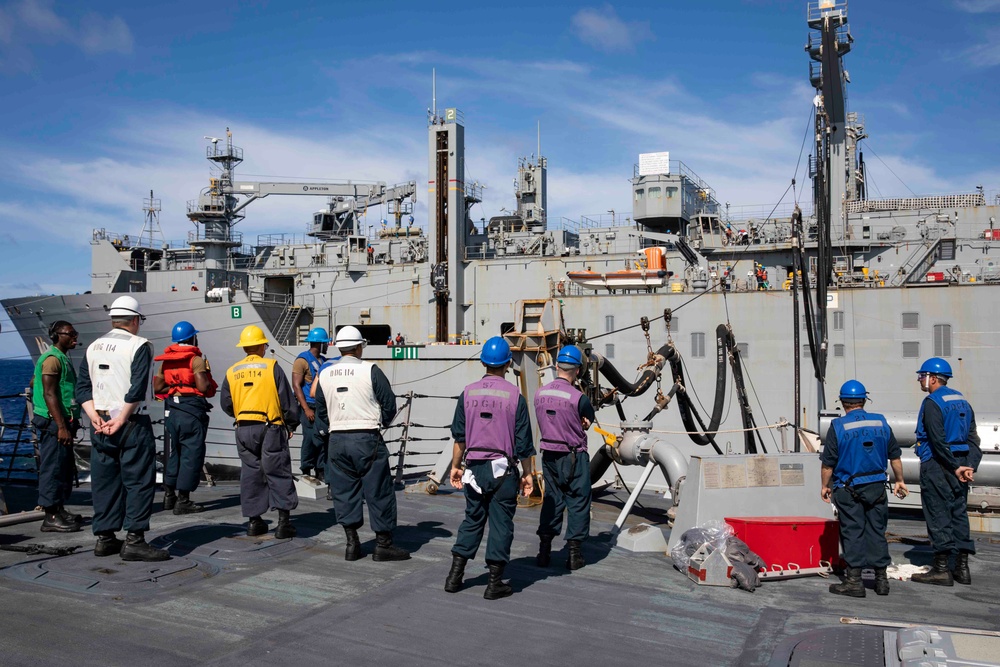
pixel 56 421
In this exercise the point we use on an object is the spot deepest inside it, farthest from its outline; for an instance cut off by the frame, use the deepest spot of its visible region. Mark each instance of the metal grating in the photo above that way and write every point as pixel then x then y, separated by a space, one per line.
pixel 911 349
pixel 698 345
pixel 911 320
pixel 942 340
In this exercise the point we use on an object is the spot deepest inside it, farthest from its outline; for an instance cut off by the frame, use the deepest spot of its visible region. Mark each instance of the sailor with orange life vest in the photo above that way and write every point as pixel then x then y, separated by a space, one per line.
pixel 184 381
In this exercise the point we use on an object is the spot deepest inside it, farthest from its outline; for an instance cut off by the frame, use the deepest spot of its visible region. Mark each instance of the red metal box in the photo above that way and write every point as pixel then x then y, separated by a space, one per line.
pixel 785 540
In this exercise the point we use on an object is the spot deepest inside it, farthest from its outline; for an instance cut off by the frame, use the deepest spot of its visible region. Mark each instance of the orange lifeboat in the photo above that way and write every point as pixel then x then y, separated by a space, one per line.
pixel 653 275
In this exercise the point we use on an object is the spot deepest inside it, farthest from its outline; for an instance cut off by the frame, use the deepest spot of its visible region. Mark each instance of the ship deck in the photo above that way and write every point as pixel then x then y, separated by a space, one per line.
pixel 225 599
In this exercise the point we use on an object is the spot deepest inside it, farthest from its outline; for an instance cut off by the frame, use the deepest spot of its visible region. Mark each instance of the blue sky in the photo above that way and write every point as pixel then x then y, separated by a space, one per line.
pixel 102 102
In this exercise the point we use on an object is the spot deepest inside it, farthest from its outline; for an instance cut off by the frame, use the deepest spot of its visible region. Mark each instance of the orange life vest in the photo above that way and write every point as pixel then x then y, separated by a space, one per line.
pixel 178 362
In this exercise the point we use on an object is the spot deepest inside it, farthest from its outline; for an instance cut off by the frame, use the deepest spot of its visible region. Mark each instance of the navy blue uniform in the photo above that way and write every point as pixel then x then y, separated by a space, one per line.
pixel 950 441
pixel 122 472
pixel 186 422
pixel 497 501
pixel 859 447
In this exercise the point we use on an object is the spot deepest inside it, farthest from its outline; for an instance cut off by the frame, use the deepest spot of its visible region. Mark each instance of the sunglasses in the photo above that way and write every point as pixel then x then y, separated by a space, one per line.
pixel 71 334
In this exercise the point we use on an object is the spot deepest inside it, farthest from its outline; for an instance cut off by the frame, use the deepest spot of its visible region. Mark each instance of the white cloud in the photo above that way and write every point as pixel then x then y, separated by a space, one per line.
pixel 978 6
pixel 605 31
pixel 30 22
pixel 987 53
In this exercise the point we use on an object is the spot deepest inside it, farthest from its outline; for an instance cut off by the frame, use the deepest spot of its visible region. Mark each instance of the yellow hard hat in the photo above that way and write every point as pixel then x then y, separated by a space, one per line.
pixel 251 336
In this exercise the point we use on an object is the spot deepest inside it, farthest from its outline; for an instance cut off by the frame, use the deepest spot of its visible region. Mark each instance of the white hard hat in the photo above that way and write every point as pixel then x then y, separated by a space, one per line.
pixel 349 337
pixel 126 306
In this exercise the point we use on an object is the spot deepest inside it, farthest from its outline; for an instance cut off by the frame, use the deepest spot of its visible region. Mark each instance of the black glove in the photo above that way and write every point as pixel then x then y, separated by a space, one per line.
pixel 744 576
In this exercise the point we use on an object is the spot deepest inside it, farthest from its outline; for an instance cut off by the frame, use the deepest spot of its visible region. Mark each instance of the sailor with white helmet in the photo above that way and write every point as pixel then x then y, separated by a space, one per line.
pixel 492 431
pixel 111 389
pixel 563 415
pixel 257 395
pixel 856 451
pixel 354 401
pixel 305 369
pixel 948 447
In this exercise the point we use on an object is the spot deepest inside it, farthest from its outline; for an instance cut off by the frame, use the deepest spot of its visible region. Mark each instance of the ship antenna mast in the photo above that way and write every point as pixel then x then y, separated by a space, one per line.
pixel 151 221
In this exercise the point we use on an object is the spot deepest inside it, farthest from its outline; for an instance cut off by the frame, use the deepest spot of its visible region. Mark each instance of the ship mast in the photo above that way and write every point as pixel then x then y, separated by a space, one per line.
pixel 828 43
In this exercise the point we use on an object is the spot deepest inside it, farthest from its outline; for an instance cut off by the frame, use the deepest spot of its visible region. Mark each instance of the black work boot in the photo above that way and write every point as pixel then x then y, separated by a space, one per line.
pixel 852 586
pixel 285 528
pixel 256 526
pixel 960 574
pixel 575 560
pixel 939 574
pixel 184 504
pixel 453 583
pixel 169 498
pixel 881 581
pixel 384 550
pixel 136 548
pixel 107 544
pixel 307 472
pixel 544 556
pixel 69 516
pixel 353 549
pixel 496 588
pixel 56 523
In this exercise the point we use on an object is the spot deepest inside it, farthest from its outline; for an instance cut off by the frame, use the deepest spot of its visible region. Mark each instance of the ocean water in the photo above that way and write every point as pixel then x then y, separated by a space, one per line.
pixel 15 376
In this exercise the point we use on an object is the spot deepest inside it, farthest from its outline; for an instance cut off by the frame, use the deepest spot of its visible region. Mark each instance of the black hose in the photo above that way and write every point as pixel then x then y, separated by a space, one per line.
pixel 599 464
pixel 641 385
pixel 701 434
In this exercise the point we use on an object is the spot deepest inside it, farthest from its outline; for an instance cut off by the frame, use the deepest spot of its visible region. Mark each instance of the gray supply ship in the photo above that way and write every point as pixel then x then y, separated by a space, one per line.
pixel 882 284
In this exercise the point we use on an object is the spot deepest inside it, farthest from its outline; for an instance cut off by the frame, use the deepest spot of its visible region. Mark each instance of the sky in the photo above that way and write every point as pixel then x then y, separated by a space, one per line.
pixel 101 102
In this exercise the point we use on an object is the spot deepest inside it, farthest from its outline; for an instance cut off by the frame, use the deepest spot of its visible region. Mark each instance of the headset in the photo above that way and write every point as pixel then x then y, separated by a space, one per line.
pixel 55 327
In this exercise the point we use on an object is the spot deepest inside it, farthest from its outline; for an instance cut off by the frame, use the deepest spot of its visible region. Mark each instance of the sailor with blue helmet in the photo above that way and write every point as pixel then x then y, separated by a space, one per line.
pixel 856 451
pixel 305 370
pixel 492 431
pixel 564 414
pixel 948 447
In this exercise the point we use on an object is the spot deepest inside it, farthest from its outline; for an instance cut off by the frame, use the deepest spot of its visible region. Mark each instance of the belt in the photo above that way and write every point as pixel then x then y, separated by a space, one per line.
pixel 255 422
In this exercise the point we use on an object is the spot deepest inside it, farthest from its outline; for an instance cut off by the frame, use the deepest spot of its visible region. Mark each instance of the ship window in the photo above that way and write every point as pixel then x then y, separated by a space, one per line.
pixel 654 193
pixel 838 349
pixel 911 349
pixel 744 350
pixel 911 320
pixel 838 320
pixel 609 322
pixel 942 340
pixel 698 345
pixel 609 350
pixel 671 191
pixel 638 194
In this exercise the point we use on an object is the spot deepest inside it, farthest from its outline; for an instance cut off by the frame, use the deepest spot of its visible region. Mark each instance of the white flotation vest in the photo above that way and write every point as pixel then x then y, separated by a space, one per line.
pixel 350 397
pixel 109 359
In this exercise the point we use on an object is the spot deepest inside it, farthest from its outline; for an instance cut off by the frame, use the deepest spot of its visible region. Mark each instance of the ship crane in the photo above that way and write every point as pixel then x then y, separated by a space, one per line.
pixel 369 194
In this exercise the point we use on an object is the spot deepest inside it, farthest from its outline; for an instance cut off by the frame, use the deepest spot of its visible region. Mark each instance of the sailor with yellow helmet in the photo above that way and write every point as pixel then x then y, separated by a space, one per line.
pixel 258 396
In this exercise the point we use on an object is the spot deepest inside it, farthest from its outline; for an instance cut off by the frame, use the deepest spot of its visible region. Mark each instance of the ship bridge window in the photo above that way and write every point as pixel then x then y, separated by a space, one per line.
pixel 942 340
pixel 911 320
pixel 838 320
pixel 639 193
pixel 654 192
pixel 911 349
pixel 698 345
pixel 671 192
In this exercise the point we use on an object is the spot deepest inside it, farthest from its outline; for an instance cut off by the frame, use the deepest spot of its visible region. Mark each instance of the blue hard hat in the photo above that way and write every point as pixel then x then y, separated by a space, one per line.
pixel 318 335
pixel 570 355
pixel 852 390
pixel 936 366
pixel 496 352
pixel 182 331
